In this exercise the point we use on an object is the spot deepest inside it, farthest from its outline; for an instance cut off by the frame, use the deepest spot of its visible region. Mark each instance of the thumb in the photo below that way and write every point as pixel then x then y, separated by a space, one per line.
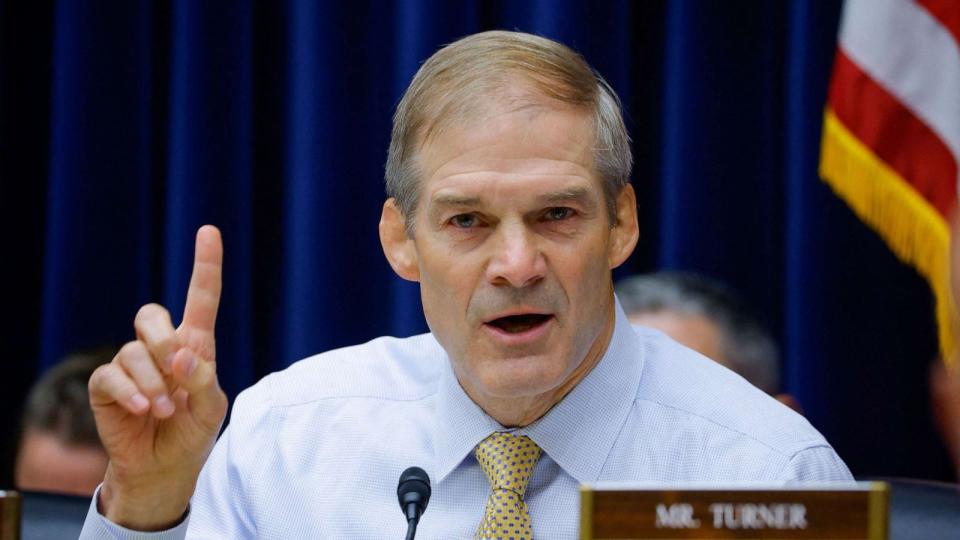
pixel 198 378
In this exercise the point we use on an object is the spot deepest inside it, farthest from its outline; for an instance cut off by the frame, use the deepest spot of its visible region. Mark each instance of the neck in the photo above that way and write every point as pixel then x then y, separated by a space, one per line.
pixel 524 410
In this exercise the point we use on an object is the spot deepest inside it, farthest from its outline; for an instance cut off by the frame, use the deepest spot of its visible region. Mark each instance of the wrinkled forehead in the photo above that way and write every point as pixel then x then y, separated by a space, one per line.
pixel 485 101
pixel 467 127
pixel 530 140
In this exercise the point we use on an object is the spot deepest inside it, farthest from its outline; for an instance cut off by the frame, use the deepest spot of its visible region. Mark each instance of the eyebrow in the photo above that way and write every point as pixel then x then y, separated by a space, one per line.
pixel 579 195
pixel 456 200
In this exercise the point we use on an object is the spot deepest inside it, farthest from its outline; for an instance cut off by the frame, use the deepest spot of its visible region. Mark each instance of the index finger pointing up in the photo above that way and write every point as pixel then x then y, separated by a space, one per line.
pixel 203 296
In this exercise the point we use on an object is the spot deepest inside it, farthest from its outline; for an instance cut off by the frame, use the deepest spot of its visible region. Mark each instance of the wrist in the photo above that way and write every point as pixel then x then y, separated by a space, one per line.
pixel 143 504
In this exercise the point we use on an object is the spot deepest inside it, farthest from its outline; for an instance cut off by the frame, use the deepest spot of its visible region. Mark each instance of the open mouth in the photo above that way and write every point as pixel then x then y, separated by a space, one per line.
pixel 516 324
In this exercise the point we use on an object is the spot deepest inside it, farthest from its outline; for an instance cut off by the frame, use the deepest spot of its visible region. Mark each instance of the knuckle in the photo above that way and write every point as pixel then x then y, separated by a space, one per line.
pixel 98 378
pixel 110 380
pixel 149 312
pixel 141 371
pixel 130 352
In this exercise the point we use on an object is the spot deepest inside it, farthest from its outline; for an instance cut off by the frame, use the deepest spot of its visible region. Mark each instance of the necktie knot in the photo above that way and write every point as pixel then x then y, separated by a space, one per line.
pixel 507 460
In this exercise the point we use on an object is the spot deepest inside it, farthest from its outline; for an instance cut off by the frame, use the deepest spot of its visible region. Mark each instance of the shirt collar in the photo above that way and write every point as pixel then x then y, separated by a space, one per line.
pixel 577 433
pixel 461 423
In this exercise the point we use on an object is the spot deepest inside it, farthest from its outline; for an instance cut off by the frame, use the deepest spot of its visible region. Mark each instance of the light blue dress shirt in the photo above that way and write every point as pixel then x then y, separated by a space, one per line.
pixel 315 451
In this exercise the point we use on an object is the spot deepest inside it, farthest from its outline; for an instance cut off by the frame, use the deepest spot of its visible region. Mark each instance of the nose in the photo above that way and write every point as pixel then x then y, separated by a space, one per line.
pixel 518 260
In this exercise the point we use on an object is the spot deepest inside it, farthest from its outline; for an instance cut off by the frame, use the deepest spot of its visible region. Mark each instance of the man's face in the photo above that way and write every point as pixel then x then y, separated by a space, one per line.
pixel 45 463
pixel 691 330
pixel 513 248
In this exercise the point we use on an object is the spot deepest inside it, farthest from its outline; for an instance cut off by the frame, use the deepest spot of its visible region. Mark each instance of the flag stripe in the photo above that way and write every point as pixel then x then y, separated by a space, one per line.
pixel 947 12
pixel 908 52
pixel 893 133
pixel 915 231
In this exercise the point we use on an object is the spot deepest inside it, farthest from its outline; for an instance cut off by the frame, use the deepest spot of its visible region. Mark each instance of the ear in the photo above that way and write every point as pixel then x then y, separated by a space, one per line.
pixel 625 231
pixel 399 248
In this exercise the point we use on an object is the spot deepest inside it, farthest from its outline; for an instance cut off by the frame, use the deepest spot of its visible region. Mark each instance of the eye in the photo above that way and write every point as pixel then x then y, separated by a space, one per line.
pixel 464 221
pixel 558 213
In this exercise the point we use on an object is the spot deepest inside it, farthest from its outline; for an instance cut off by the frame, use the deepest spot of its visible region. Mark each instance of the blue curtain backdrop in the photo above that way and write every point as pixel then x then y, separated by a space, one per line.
pixel 126 125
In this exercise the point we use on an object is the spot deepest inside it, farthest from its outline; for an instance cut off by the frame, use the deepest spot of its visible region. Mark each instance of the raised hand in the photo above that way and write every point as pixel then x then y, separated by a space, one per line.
pixel 158 405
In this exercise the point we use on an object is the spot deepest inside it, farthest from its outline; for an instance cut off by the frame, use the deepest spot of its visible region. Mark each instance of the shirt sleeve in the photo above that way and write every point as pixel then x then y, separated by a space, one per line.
pixel 97 527
pixel 815 464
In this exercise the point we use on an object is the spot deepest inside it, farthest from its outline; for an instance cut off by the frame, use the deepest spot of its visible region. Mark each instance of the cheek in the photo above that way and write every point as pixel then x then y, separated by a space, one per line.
pixel 583 272
pixel 586 280
pixel 446 287
pixel 447 283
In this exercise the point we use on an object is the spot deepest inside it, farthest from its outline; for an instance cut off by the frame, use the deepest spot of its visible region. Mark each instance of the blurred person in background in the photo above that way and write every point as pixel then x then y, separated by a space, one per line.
pixel 945 400
pixel 60 451
pixel 708 317
pixel 944 379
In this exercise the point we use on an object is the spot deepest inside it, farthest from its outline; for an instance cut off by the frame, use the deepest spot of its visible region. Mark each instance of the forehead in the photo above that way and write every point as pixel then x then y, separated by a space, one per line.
pixel 521 143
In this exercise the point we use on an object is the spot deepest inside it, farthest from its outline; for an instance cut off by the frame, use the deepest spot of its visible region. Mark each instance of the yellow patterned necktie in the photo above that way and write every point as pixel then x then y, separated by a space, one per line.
pixel 508 462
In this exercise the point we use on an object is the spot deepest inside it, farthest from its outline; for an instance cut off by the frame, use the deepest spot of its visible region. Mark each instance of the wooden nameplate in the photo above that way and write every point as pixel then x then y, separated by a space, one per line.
pixel 9 515
pixel 822 511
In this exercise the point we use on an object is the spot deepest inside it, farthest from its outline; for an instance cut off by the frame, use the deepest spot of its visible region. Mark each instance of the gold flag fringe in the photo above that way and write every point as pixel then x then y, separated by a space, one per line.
pixel 881 198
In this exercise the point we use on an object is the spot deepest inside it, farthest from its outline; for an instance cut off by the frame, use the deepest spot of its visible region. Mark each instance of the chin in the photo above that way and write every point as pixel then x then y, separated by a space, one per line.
pixel 522 377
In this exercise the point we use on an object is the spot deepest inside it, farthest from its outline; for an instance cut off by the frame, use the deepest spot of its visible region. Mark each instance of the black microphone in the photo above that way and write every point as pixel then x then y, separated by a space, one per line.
pixel 413 492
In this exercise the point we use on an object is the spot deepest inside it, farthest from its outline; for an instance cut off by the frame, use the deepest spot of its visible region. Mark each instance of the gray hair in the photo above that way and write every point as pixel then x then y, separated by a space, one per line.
pixel 446 91
pixel 745 343
pixel 59 402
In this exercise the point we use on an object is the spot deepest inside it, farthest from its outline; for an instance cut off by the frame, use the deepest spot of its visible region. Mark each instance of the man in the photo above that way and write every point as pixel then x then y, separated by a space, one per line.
pixel 59 449
pixel 509 204
pixel 944 380
pixel 708 317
